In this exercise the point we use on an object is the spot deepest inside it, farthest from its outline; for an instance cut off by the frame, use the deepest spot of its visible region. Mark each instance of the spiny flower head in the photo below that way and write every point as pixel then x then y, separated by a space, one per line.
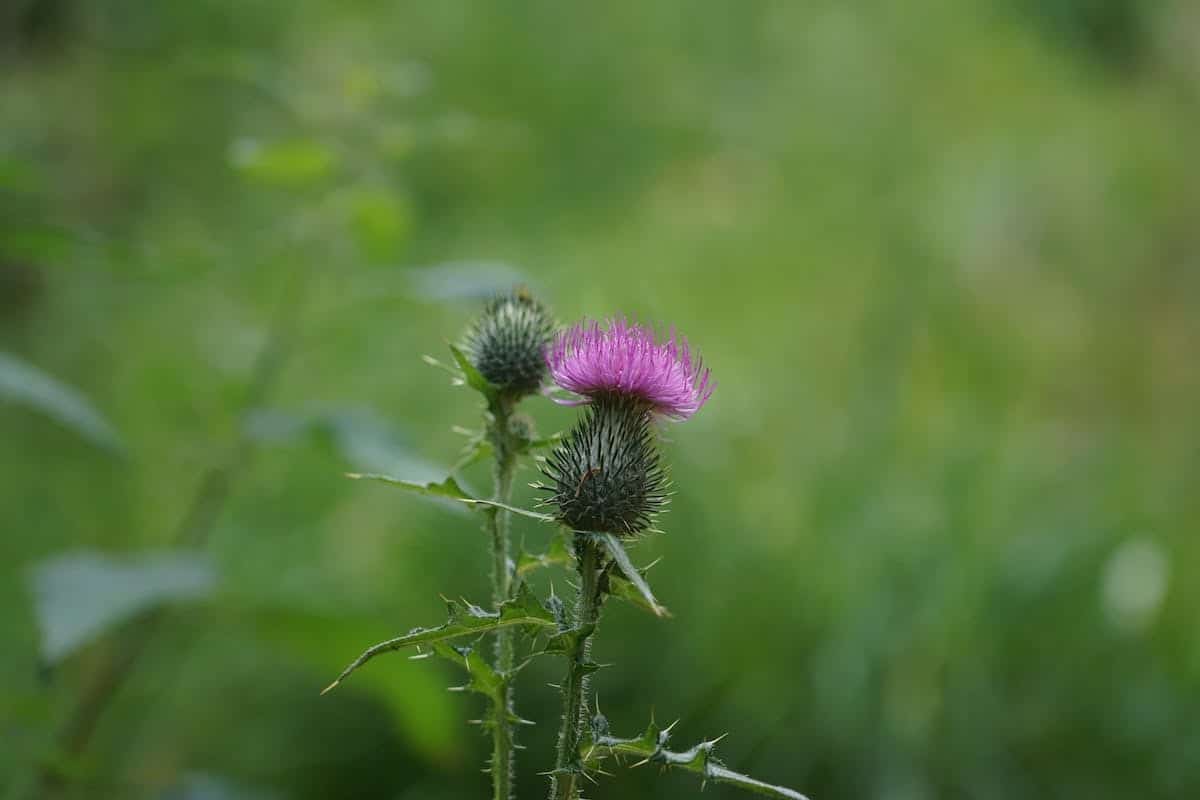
pixel 605 476
pixel 506 343
pixel 624 359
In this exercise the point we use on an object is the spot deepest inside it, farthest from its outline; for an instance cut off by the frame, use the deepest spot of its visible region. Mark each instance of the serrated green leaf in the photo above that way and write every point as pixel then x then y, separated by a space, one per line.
pixel 556 555
pixel 472 376
pixel 622 589
pixel 564 643
pixel 525 608
pixel 464 619
pixel 524 512
pixel 617 551
pixel 449 489
pixel 651 747
pixel 483 679
pixel 24 383
pixel 425 716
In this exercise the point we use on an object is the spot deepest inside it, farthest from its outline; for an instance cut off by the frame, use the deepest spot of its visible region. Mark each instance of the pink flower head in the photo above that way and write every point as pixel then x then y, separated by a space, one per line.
pixel 623 359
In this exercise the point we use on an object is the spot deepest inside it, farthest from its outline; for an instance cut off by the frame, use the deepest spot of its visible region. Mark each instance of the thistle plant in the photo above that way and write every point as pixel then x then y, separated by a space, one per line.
pixel 505 345
pixel 607 481
pixel 605 486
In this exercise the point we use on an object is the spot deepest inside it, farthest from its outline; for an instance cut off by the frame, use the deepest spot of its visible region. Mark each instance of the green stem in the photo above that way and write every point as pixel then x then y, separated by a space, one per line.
pixel 566 780
pixel 497 525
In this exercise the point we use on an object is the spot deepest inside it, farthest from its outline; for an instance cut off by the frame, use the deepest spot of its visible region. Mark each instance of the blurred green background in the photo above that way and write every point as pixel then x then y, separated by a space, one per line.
pixel 934 536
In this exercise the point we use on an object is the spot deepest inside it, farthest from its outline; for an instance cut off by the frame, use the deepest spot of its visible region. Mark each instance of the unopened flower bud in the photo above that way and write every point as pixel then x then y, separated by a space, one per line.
pixel 605 476
pixel 507 342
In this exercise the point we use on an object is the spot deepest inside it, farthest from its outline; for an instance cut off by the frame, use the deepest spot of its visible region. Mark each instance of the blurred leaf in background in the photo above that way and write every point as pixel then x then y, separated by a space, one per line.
pixel 25 384
pixel 79 595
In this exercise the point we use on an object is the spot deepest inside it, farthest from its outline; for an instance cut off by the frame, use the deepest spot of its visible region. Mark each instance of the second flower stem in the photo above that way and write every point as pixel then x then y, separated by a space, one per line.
pixel 497 525
pixel 566 780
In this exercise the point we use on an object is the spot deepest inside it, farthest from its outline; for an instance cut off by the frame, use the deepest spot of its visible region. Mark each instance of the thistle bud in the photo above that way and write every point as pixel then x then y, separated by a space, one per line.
pixel 507 342
pixel 605 475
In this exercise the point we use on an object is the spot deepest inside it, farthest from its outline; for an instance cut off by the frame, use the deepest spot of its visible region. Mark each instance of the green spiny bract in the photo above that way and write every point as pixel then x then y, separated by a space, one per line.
pixel 605 475
pixel 507 342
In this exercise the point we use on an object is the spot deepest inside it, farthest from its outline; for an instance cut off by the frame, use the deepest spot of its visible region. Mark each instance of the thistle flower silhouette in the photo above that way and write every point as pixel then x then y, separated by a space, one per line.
pixel 508 341
pixel 606 475
pixel 624 359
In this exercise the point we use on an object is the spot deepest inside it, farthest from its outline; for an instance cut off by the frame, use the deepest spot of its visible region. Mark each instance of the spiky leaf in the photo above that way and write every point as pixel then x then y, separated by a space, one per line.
pixel 483 679
pixel 556 555
pixel 464 619
pixel 623 589
pixel 471 376
pixel 449 489
pixel 651 748
pixel 617 552
pixel 565 642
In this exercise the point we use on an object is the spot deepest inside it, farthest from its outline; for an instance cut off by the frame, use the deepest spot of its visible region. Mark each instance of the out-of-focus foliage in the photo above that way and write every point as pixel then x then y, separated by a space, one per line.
pixel 1113 32
pixel 934 536
pixel 78 596
pixel 24 384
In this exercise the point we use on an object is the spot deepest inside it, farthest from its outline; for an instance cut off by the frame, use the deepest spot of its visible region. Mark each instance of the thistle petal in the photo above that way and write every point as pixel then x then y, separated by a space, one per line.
pixel 623 359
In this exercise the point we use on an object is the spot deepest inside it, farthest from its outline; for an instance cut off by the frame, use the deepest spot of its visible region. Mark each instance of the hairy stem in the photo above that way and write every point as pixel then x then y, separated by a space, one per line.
pixel 497 525
pixel 566 780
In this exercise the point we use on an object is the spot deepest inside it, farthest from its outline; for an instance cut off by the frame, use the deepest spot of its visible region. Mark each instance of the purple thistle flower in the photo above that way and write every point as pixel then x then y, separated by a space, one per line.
pixel 624 359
